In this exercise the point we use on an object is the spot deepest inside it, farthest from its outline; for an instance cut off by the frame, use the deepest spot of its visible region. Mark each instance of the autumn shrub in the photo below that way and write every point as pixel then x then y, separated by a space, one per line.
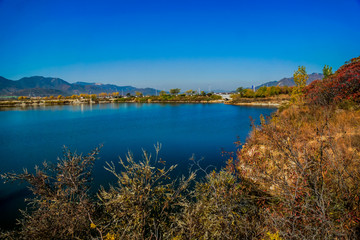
pixel 344 84
pixel 144 203
pixel 61 207
pixel 23 98
pixel 224 206
pixel 308 160
pixel 262 93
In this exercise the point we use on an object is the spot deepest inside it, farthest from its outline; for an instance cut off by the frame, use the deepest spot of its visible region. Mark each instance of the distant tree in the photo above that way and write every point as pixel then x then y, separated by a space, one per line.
pixel 241 91
pixel 59 97
pixel 274 90
pixel 93 96
pixel 175 91
pixel 285 90
pixel 162 93
pixel 103 95
pixel 74 96
pixel 327 71
pixel 300 79
pixel 203 93
pixel 51 97
pixel 115 94
pixel 128 94
pixel 248 93
pixel 261 92
pixel 138 94
pixel 190 92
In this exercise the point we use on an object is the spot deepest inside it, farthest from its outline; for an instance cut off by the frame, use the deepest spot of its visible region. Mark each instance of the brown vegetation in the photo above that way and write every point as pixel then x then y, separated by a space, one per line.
pixel 308 160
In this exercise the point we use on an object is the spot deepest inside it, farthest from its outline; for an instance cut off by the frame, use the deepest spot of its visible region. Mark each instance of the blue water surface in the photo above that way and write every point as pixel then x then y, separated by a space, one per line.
pixel 29 136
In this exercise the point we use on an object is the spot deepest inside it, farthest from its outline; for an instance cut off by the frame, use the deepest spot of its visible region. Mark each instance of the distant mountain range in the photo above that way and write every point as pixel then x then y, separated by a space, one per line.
pixel 290 81
pixel 46 86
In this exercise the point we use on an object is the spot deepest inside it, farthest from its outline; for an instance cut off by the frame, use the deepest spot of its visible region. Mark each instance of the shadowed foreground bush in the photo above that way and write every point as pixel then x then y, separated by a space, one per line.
pixel 144 203
pixel 61 206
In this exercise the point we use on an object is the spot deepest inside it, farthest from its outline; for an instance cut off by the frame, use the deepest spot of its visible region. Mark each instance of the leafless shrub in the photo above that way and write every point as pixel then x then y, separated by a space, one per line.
pixel 61 207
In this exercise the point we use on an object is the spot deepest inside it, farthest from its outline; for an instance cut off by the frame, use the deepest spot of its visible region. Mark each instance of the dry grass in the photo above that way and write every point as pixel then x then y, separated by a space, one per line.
pixel 308 159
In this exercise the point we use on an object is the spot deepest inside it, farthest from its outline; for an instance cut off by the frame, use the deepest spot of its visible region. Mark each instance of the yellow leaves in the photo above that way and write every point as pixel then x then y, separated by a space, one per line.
pixel 110 236
pixel 272 236
pixel 300 79
pixel 176 238
pixel 92 225
pixel 262 120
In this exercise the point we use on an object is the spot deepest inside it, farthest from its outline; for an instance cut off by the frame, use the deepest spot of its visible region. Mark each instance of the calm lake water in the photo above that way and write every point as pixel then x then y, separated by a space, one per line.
pixel 30 136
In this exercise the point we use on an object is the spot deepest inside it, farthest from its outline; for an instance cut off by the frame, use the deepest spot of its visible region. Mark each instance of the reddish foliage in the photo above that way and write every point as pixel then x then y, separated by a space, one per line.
pixel 343 85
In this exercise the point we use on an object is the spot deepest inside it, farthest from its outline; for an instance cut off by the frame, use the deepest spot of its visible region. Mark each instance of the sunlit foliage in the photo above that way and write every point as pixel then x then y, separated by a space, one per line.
pixel 344 84
pixel 300 79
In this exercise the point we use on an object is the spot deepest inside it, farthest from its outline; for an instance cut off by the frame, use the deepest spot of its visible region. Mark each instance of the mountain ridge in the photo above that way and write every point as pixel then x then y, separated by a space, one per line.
pixel 290 81
pixel 46 86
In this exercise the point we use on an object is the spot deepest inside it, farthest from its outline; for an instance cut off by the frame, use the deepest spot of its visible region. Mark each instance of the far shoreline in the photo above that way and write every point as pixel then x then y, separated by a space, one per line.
pixel 9 104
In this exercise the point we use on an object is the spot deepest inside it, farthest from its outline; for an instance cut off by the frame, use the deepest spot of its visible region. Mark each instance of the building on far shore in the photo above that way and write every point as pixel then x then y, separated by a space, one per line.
pixel 225 96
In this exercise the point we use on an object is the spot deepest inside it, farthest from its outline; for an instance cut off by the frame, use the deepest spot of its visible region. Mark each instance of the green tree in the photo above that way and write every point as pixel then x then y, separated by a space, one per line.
pixel 261 92
pixel 138 94
pixel 327 71
pixel 93 97
pixel 248 93
pixel 300 79
pixel 162 93
pixel 190 92
pixel 240 91
pixel 175 91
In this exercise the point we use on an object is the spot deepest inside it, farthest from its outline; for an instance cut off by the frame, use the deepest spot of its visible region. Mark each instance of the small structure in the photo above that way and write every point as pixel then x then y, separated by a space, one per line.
pixel 225 96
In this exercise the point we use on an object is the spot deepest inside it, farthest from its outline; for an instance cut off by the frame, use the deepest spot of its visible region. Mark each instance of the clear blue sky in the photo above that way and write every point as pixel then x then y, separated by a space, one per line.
pixel 185 44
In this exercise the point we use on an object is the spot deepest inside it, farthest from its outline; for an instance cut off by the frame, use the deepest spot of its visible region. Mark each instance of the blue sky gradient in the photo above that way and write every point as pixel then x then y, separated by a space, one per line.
pixel 175 43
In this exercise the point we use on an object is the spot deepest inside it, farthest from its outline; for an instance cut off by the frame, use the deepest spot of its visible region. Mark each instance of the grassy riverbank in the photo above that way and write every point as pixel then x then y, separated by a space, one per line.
pixel 30 102
pixel 34 102
pixel 260 101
